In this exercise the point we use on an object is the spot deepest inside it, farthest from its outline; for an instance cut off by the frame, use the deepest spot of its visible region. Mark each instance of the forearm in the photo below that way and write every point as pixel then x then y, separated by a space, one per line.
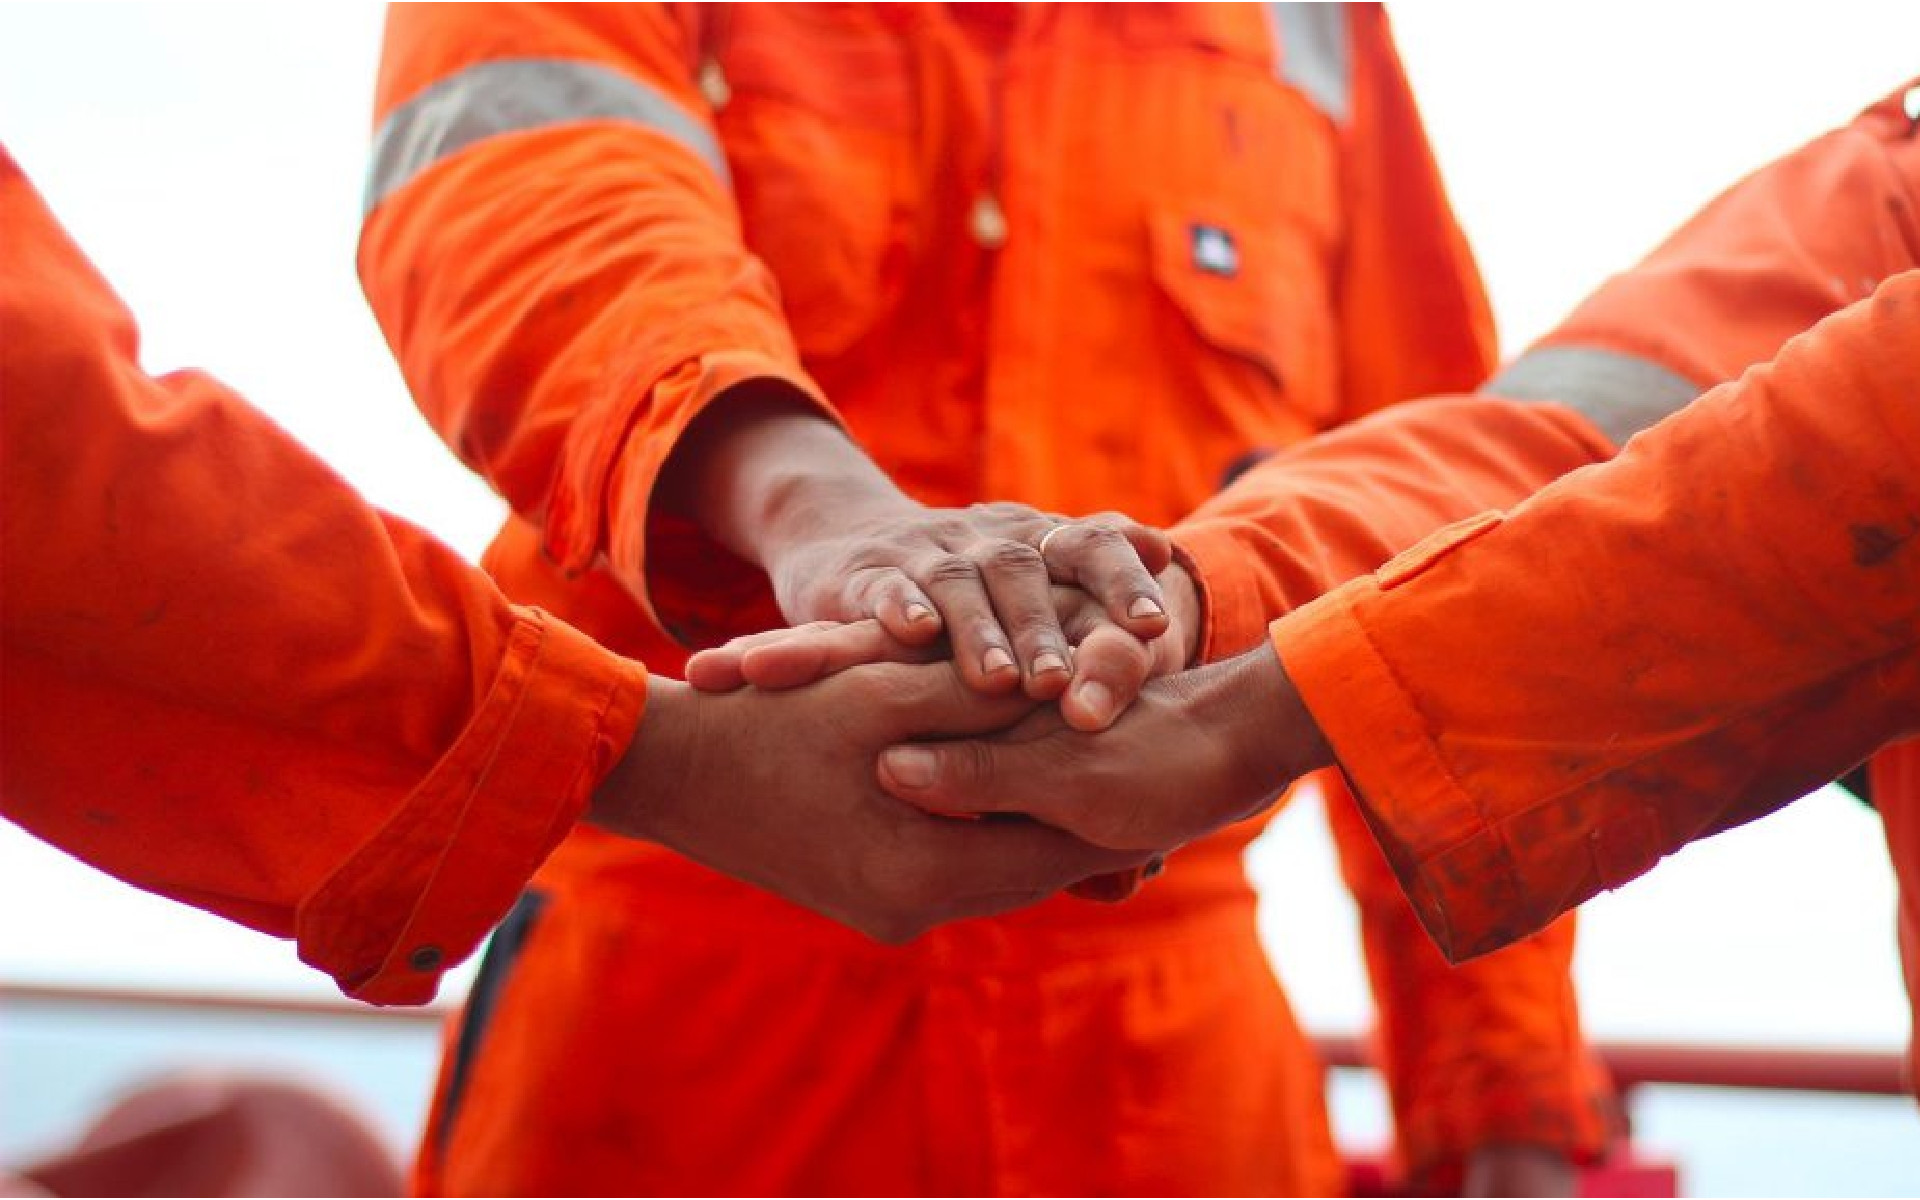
pixel 1773 255
pixel 1338 506
pixel 553 250
pixel 229 680
pixel 762 470
pixel 1679 641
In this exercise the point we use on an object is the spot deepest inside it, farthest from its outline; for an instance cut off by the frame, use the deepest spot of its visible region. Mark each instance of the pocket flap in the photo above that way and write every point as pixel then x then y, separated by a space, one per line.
pixel 1226 281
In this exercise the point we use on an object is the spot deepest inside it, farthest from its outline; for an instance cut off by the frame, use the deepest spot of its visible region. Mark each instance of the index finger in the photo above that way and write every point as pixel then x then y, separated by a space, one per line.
pixel 723 668
pixel 777 664
pixel 1112 558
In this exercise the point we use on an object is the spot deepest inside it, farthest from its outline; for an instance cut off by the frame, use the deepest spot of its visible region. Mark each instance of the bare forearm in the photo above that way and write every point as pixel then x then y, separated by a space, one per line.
pixel 763 469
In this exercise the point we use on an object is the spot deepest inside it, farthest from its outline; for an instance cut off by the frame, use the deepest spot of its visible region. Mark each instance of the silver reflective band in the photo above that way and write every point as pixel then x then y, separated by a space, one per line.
pixel 1314 55
pixel 512 95
pixel 1618 392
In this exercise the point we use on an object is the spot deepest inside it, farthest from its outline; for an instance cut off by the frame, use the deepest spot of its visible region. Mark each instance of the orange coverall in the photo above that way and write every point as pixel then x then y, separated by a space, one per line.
pixel 226 679
pixel 1713 624
pixel 1784 248
pixel 1082 257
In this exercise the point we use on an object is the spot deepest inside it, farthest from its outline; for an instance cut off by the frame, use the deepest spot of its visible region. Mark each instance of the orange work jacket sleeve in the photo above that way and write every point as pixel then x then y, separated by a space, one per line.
pixel 554 254
pixel 1723 292
pixel 1538 706
pixel 1783 248
pixel 226 679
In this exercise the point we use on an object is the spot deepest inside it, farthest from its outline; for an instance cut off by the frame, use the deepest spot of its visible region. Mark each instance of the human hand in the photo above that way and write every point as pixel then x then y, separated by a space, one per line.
pixel 780 790
pixel 777 483
pixel 1108 664
pixel 979 575
pixel 1196 751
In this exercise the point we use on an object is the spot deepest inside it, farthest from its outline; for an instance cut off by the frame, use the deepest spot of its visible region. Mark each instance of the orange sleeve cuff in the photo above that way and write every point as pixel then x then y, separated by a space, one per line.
pixel 691 587
pixel 1235 609
pixel 434 881
pixel 1452 866
pixel 1512 1064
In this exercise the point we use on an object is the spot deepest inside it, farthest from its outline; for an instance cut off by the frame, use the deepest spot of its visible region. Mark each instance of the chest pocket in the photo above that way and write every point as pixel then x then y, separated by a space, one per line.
pixel 816 111
pixel 1242 209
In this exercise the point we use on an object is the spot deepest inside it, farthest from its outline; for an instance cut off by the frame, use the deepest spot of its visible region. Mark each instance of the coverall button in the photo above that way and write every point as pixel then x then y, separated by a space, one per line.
pixel 714 87
pixel 424 958
pixel 988 222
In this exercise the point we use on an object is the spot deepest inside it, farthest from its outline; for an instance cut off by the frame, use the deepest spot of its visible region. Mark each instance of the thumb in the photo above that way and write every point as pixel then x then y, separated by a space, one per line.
pixel 975 777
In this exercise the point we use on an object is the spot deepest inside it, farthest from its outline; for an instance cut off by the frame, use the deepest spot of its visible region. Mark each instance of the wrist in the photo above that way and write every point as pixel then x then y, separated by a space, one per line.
pixel 1268 736
pixel 638 796
pixel 818 484
pixel 763 468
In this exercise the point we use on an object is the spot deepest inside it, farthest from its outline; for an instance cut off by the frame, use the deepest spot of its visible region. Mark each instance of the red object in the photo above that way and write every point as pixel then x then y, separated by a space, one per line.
pixel 211 1134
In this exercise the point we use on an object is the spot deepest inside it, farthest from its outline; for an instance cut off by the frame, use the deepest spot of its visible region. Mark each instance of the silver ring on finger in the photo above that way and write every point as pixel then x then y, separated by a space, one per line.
pixel 1048 537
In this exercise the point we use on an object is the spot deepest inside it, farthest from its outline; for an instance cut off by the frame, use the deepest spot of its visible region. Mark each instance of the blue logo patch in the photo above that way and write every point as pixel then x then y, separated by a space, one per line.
pixel 1214 251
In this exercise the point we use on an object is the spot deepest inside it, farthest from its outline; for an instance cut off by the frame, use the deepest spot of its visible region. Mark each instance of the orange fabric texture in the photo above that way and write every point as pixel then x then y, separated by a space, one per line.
pixel 792 196
pixel 226 679
pixel 1726 291
pixel 1776 253
pixel 1683 640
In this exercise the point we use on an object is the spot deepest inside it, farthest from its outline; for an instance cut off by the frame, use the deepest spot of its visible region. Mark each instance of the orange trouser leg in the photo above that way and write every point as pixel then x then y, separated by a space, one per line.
pixel 651 1043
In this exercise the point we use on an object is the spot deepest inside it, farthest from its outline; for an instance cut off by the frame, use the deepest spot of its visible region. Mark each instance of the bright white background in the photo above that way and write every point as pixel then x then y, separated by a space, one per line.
pixel 210 156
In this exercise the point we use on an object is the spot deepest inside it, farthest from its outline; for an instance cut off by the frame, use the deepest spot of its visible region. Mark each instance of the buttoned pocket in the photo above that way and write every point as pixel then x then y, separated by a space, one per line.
pixel 1242 289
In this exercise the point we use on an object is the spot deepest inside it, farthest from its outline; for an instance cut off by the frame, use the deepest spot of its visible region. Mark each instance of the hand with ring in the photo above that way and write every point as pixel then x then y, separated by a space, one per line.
pixel 1109 665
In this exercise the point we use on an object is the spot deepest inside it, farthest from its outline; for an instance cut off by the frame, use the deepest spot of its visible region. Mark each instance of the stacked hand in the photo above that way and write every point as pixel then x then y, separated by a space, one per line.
pixel 1194 751
pixel 841 543
pixel 1030 608
pixel 780 790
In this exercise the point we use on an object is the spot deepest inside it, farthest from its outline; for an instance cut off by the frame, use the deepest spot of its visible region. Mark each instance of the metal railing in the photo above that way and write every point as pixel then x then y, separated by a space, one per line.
pixel 1632 1064
pixel 1638 1064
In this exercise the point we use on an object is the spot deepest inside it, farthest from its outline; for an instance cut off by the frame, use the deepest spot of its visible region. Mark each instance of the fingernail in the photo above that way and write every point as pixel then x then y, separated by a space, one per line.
pixel 995 659
pixel 1047 661
pixel 910 766
pixel 1154 866
pixel 918 612
pixel 1096 698
pixel 1146 606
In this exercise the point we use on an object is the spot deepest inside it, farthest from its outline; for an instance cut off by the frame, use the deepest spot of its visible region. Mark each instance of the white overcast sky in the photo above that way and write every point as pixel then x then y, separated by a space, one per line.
pixel 209 157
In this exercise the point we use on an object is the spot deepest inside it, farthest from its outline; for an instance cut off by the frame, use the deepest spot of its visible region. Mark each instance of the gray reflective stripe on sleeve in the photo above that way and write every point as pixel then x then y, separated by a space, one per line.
pixel 512 95
pixel 1620 393
pixel 1313 53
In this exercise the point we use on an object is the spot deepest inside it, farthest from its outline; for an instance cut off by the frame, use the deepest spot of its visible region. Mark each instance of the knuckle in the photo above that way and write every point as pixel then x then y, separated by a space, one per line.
pixel 868 584
pixel 950 568
pixel 1119 523
pixel 1011 558
pixel 1103 539
pixel 999 511
pixel 947 529
pixel 971 765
